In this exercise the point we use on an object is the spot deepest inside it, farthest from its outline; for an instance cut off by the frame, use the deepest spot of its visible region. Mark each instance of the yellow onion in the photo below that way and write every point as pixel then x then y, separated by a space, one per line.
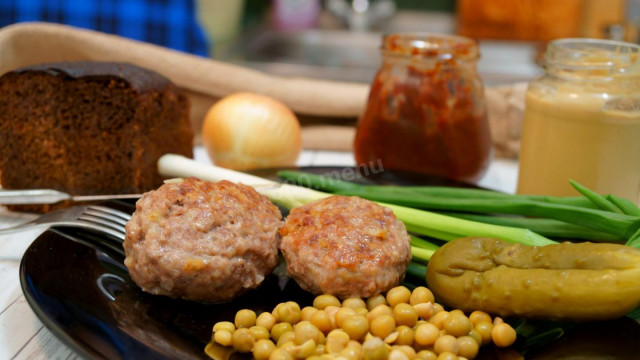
pixel 247 131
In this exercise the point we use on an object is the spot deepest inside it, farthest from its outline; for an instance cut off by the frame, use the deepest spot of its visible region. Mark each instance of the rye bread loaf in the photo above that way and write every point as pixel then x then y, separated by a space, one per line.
pixel 89 128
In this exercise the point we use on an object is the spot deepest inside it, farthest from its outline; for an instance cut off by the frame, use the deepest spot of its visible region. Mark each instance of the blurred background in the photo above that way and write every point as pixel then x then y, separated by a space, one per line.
pixel 339 39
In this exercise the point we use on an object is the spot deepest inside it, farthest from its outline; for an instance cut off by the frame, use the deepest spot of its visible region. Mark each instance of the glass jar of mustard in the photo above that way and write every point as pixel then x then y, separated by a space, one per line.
pixel 582 121
pixel 426 110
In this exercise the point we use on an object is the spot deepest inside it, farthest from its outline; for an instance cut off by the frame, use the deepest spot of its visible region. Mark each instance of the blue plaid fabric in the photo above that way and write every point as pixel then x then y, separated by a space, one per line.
pixel 169 23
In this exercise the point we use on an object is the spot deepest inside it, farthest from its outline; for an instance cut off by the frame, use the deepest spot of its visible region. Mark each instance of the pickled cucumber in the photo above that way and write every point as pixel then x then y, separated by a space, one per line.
pixel 568 281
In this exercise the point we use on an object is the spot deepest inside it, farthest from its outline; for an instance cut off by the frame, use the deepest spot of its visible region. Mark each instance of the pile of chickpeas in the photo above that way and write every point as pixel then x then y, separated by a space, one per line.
pixel 402 324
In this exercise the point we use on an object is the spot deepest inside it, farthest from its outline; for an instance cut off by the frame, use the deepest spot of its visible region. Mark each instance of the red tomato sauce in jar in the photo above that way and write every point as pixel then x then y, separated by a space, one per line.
pixel 426 110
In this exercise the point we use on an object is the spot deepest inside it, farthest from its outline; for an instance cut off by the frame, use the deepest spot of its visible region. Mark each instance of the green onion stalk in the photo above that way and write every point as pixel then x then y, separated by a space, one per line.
pixel 590 217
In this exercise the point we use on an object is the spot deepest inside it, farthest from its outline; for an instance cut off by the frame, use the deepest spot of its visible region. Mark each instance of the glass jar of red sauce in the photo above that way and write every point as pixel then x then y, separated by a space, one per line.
pixel 426 110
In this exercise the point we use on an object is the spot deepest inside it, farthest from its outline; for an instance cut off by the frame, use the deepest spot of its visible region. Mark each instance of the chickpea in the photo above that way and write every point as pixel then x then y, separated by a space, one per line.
pixel 288 337
pixel 419 322
pixel 289 312
pixel 446 343
pixel 401 324
pixel 354 303
pixel 426 334
pixel 426 355
pixel 322 301
pixel 397 295
pixel 447 356
pixel 375 349
pixel 421 295
pixel 223 337
pixel 337 340
pixel 478 316
pixel 280 328
pixel 224 325
pixel 356 326
pixel 280 354
pixel 259 332
pixel 343 314
pixel 405 314
pixel 304 331
pixel 437 308
pixel 424 310
pixel 362 311
pixel 322 339
pixel 409 351
pixel 406 335
pixel 379 310
pixel 503 335
pixel 245 318
pixel 383 325
pixel 287 346
pixel 467 347
pixel 303 350
pixel 397 354
pixel 457 324
pixel 307 312
pixel 439 318
pixel 217 351
pixel 475 335
pixel 322 321
pixel 332 311
pixel 320 349
pixel 484 329
pixel 391 338
pixel 274 312
pixel 242 340
pixel 262 349
pixel 376 300
pixel 266 320
pixel 350 353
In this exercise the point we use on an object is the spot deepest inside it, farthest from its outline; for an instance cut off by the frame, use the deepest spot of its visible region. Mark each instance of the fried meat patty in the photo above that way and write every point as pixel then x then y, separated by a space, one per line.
pixel 201 240
pixel 345 246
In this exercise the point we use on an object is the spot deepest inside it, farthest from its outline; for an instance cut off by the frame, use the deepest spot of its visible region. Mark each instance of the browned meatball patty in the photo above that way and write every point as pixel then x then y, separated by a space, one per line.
pixel 345 246
pixel 202 240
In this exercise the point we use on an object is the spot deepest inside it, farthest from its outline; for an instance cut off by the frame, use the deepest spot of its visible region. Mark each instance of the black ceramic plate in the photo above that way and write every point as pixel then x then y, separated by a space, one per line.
pixel 81 291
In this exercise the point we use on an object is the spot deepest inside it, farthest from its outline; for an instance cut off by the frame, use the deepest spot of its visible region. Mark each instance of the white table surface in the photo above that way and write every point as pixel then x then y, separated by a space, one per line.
pixel 23 336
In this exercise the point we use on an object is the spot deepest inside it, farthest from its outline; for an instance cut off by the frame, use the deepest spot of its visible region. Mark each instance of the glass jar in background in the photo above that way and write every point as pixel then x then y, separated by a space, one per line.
pixel 426 110
pixel 582 121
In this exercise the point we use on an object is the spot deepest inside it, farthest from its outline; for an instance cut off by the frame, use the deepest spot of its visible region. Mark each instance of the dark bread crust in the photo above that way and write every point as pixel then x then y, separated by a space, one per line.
pixel 89 128
pixel 140 79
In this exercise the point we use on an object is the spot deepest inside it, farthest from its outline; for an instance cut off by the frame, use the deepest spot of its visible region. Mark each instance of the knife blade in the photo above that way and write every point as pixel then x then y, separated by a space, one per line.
pixel 50 196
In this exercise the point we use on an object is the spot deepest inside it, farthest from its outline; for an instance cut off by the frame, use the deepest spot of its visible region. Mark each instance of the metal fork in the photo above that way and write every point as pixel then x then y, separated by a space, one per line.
pixel 92 217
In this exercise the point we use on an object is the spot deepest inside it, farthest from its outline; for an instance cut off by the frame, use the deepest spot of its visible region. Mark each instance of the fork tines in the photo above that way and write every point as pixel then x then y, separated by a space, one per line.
pixel 105 216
